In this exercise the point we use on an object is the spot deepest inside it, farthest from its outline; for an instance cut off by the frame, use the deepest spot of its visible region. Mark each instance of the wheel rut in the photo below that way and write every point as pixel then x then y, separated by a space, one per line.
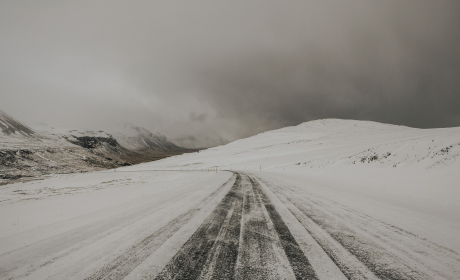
pixel 243 238
pixel 363 247
pixel 125 263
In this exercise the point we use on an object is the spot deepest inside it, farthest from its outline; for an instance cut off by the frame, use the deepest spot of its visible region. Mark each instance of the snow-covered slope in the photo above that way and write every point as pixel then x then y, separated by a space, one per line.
pixel 333 142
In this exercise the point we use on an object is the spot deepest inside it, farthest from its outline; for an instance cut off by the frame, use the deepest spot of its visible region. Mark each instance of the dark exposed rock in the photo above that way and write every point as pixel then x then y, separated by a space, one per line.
pixel 91 142
pixel 10 176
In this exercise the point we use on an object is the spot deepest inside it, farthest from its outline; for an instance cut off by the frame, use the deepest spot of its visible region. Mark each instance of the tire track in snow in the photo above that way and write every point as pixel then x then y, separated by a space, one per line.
pixel 29 260
pixel 299 262
pixel 350 266
pixel 359 244
pixel 243 238
pixel 189 262
pixel 222 260
pixel 405 246
pixel 26 260
pixel 324 267
pixel 125 263
pixel 382 264
pixel 257 258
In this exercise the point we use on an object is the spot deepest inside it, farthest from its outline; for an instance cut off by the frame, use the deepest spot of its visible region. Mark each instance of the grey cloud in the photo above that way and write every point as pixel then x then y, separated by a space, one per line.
pixel 388 69
pixel 245 66
pixel 194 117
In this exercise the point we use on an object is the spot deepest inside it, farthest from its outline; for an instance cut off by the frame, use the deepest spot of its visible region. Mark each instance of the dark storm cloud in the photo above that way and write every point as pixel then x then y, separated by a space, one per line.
pixel 245 66
pixel 395 63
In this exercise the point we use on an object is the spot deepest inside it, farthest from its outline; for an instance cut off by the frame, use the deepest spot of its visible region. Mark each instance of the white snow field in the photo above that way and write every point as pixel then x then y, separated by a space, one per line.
pixel 327 199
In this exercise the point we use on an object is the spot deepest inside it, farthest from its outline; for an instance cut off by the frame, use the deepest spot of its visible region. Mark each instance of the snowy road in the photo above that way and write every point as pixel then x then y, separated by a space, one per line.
pixel 203 225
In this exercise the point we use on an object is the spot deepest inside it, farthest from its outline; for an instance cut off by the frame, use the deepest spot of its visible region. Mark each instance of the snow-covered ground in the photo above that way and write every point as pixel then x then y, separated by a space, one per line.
pixel 415 170
pixel 82 220
pixel 331 199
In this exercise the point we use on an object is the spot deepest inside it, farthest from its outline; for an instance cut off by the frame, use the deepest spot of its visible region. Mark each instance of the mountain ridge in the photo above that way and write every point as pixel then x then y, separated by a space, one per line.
pixel 9 126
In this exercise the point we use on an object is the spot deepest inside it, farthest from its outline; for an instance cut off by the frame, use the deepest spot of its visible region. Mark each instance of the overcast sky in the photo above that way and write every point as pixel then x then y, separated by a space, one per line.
pixel 234 68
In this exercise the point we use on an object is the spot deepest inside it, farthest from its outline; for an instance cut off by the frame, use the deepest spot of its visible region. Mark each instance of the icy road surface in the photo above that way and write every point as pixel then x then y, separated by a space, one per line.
pixel 202 225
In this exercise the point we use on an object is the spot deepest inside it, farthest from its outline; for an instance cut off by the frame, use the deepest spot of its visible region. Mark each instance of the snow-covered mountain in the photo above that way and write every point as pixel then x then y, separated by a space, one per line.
pixel 98 143
pixel 30 152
